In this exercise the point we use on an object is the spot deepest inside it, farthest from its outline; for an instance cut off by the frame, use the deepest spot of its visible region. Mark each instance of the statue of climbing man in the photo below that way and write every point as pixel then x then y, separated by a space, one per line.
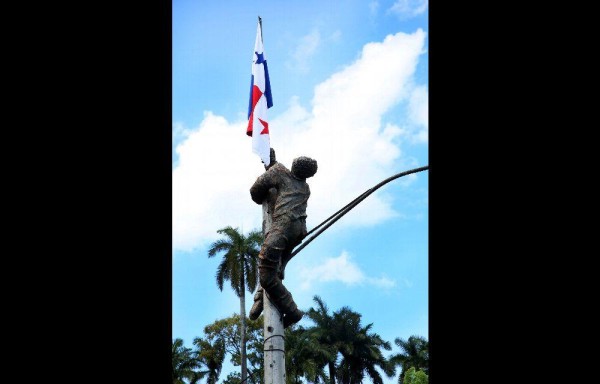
pixel 288 228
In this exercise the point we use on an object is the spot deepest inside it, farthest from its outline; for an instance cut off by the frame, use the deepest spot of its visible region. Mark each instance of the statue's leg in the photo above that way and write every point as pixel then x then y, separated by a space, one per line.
pixel 268 268
pixel 285 257
pixel 296 232
pixel 257 307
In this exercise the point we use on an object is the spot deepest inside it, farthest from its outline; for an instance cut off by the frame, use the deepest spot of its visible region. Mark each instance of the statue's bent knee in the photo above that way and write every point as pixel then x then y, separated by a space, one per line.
pixel 267 271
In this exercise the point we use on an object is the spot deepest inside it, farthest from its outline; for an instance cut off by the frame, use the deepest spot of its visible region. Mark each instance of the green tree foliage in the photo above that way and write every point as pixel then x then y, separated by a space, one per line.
pixel 239 266
pixel 414 353
pixel 226 332
pixel 184 364
pixel 326 335
pixel 233 378
pixel 337 344
pixel 342 334
pixel 304 357
pixel 211 356
pixel 361 351
pixel 413 376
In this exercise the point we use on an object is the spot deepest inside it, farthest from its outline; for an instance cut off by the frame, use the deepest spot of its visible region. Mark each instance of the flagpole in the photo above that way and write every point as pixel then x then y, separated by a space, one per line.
pixel 273 331
pixel 260 23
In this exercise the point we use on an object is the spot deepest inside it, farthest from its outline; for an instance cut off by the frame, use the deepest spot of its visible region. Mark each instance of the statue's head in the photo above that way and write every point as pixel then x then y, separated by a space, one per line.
pixel 304 167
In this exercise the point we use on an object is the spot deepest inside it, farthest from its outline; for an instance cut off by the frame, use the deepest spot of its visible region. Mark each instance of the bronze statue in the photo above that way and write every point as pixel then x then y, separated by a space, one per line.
pixel 288 228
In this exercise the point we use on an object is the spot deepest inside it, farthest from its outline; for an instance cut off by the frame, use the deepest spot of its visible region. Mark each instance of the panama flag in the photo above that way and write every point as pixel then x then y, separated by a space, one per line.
pixel 260 100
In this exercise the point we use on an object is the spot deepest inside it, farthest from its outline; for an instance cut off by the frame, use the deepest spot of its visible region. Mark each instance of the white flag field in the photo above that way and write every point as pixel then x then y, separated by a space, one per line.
pixel 260 100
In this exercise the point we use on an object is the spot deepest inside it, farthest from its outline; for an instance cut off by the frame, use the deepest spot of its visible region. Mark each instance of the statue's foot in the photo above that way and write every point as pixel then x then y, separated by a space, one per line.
pixel 292 317
pixel 256 310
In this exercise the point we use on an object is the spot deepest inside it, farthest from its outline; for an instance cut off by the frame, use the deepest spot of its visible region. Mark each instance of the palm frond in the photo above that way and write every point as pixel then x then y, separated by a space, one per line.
pixel 223 274
pixel 218 246
pixel 255 239
pixel 252 275
pixel 232 233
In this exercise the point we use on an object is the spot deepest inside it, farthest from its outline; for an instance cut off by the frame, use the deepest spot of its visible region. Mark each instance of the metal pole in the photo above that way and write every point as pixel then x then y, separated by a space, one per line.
pixel 338 215
pixel 274 344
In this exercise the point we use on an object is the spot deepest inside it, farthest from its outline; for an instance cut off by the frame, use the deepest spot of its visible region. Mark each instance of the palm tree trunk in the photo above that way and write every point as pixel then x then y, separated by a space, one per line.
pixel 332 372
pixel 243 326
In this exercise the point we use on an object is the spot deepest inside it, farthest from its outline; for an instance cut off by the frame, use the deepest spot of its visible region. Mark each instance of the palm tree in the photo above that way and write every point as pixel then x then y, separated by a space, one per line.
pixel 240 267
pixel 362 354
pixel 415 353
pixel 342 333
pixel 324 333
pixel 304 357
pixel 211 356
pixel 184 364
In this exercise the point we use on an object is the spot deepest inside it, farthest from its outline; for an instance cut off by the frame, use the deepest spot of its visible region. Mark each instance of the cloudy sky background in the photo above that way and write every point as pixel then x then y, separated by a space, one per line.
pixel 350 89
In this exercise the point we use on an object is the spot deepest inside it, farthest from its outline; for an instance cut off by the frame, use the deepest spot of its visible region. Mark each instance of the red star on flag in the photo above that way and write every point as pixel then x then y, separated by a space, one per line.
pixel 265 130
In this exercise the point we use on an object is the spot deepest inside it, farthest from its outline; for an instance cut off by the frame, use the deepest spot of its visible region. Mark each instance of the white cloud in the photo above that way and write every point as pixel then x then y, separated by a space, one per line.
pixel 342 130
pixel 179 132
pixel 211 182
pixel 382 282
pixel 306 48
pixel 340 269
pixel 345 133
pixel 409 8
pixel 418 113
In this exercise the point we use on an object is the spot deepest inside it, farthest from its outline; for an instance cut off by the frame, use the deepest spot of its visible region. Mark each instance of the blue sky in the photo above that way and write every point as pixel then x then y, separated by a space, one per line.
pixel 350 89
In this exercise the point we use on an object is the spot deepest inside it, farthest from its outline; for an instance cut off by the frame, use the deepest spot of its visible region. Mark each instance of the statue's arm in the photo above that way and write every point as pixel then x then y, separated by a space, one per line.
pixel 260 189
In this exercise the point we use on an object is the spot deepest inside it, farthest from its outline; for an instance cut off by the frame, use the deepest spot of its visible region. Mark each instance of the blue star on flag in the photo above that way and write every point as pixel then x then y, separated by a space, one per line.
pixel 260 58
